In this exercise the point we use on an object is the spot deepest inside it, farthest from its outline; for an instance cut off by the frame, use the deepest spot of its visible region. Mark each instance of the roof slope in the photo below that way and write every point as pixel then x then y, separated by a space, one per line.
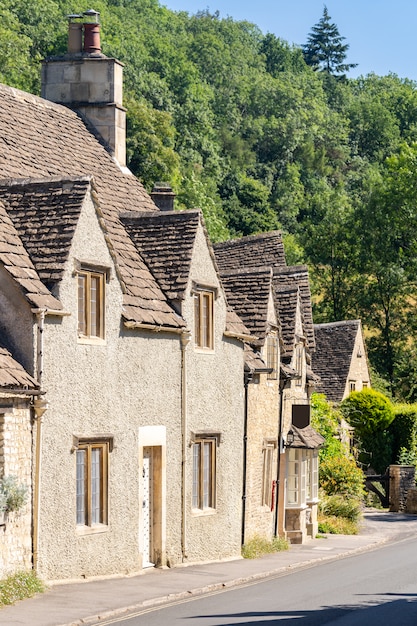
pixel 287 300
pixel 334 350
pixel 45 213
pixel 40 139
pixel 166 242
pixel 264 249
pixel 12 374
pixel 296 276
pixel 248 292
pixel 19 266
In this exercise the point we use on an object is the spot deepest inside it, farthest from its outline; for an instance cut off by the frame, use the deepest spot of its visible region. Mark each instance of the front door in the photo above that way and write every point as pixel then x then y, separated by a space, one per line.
pixel 147 507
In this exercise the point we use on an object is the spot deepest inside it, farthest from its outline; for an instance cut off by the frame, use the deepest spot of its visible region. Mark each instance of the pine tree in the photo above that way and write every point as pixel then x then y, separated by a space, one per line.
pixel 325 50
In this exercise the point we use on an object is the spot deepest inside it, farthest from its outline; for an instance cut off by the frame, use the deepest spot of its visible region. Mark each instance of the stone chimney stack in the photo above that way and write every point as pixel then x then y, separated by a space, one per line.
pixel 87 81
pixel 163 196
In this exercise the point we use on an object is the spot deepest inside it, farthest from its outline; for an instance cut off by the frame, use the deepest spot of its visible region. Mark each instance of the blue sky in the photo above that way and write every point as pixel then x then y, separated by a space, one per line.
pixel 381 33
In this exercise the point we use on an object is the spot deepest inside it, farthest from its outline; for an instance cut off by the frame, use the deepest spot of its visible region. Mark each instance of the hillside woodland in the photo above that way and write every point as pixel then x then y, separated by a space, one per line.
pixel 262 135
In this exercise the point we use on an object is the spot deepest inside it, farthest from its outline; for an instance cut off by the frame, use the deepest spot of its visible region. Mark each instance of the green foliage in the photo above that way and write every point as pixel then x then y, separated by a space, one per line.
pixel 325 49
pixel 341 475
pixel 404 433
pixel 368 411
pixel 325 419
pixel 19 586
pixel 334 525
pixel 339 505
pixel 258 546
pixel 13 495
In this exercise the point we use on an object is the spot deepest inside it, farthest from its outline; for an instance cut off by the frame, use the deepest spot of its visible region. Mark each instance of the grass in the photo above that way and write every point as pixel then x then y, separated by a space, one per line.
pixel 258 546
pixel 337 525
pixel 19 586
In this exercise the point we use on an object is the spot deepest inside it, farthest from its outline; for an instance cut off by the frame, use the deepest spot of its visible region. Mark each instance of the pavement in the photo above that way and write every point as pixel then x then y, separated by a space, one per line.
pixel 93 602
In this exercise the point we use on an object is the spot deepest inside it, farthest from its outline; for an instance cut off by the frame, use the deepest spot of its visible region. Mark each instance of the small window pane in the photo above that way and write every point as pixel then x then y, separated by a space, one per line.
pixel 81 487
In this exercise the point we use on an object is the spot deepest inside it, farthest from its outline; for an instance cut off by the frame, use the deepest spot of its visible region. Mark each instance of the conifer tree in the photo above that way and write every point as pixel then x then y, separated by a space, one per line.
pixel 325 50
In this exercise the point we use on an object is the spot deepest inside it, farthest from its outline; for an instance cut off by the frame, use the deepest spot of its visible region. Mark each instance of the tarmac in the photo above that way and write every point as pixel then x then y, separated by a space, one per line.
pixel 93 602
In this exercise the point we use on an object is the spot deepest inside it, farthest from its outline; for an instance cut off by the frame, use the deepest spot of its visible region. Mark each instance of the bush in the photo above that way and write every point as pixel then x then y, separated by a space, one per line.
pixel 19 586
pixel 337 526
pixel 325 419
pixel 341 475
pixel 339 505
pixel 368 411
pixel 404 430
pixel 13 495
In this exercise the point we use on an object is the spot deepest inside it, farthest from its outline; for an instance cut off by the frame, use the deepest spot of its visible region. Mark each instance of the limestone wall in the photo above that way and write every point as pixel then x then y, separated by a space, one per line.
pixel 15 460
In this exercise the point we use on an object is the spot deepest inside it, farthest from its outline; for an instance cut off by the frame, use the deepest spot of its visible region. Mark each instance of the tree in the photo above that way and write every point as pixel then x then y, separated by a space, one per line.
pixel 325 49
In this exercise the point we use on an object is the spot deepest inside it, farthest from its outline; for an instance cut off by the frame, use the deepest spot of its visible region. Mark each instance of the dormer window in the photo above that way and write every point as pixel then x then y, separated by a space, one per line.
pixel 204 319
pixel 299 356
pixel 91 291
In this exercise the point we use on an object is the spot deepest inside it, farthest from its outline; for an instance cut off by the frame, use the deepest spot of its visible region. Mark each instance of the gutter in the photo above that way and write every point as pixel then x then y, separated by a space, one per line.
pixel 153 328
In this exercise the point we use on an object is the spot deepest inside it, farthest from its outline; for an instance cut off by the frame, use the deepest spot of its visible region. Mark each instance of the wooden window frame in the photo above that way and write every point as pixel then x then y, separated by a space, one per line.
pixel 296 478
pixel 267 473
pixel 204 319
pixel 88 513
pixel 91 318
pixel 352 385
pixel 203 497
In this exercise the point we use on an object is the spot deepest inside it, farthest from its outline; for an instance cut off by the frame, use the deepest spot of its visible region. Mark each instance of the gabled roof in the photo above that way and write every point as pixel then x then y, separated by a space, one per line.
pixel 45 213
pixel 248 292
pixel 166 242
pixel 264 249
pixel 334 352
pixel 287 300
pixel 17 263
pixel 40 139
pixel 296 276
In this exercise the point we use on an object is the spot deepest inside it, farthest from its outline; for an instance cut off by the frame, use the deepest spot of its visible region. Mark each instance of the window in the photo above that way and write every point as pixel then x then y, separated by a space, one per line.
pixel 299 355
pixel 92 463
pixel 204 473
pixel 312 468
pixel 203 319
pixel 267 478
pixel 272 356
pixel 296 477
pixel 365 384
pixel 91 304
pixel 352 385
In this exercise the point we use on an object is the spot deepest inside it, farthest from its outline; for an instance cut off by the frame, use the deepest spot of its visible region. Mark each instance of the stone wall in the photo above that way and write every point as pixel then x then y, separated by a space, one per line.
pixel 15 460
pixel 401 479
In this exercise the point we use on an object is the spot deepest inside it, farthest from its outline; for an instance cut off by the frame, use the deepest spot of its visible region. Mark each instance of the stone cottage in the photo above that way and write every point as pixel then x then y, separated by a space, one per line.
pixel 140 369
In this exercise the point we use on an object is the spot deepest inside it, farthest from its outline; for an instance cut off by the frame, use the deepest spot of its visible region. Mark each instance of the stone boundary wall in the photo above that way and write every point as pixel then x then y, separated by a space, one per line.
pixel 401 481
pixel 16 460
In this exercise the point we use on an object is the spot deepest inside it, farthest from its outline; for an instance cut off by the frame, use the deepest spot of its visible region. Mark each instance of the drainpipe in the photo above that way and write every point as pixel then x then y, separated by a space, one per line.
pixel 247 378
pixel 280 444
pixel 39 407
pixel 185 340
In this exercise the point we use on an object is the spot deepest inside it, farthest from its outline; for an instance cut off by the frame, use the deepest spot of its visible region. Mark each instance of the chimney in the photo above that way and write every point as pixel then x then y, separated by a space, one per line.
pixel 163 196
pixel 87 81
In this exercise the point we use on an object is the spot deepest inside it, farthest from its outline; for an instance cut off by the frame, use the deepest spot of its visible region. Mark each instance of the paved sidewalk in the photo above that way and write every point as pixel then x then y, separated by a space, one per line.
pixel 87 603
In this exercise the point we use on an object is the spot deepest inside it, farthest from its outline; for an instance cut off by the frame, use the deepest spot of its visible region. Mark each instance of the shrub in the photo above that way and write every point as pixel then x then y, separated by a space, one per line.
pixel 13 495
pixel 19 586
pixel 325 419
pixel 341 475
pixel 337 526
pixel 404 430
pixel 368 411
pixel 339 505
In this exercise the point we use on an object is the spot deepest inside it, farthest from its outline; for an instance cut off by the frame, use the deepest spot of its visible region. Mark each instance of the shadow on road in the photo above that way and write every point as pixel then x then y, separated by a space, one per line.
pixel 401 612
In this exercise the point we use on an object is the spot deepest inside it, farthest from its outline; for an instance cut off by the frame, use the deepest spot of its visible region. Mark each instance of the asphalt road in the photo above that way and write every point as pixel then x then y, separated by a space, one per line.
pixel 377 588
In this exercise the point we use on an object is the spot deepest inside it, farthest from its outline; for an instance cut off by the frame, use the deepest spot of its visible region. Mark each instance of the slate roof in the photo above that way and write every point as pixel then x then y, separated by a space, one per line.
pixel 264 249
pixel 296 276
pixel 306 438
pixel 166 242
pixel 287 300
pixel 45 213
pixel 19 266
pixel 12 374
pixel 253 361
pixel 40 139
pixel 334 351
pixel 248 291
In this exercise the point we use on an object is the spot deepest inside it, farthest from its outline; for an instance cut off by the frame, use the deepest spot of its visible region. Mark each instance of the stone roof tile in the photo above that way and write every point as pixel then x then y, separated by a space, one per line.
pixel 333 356
pixel 12 374
pixel 263 249
pixel 296 276
pixel 40 139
